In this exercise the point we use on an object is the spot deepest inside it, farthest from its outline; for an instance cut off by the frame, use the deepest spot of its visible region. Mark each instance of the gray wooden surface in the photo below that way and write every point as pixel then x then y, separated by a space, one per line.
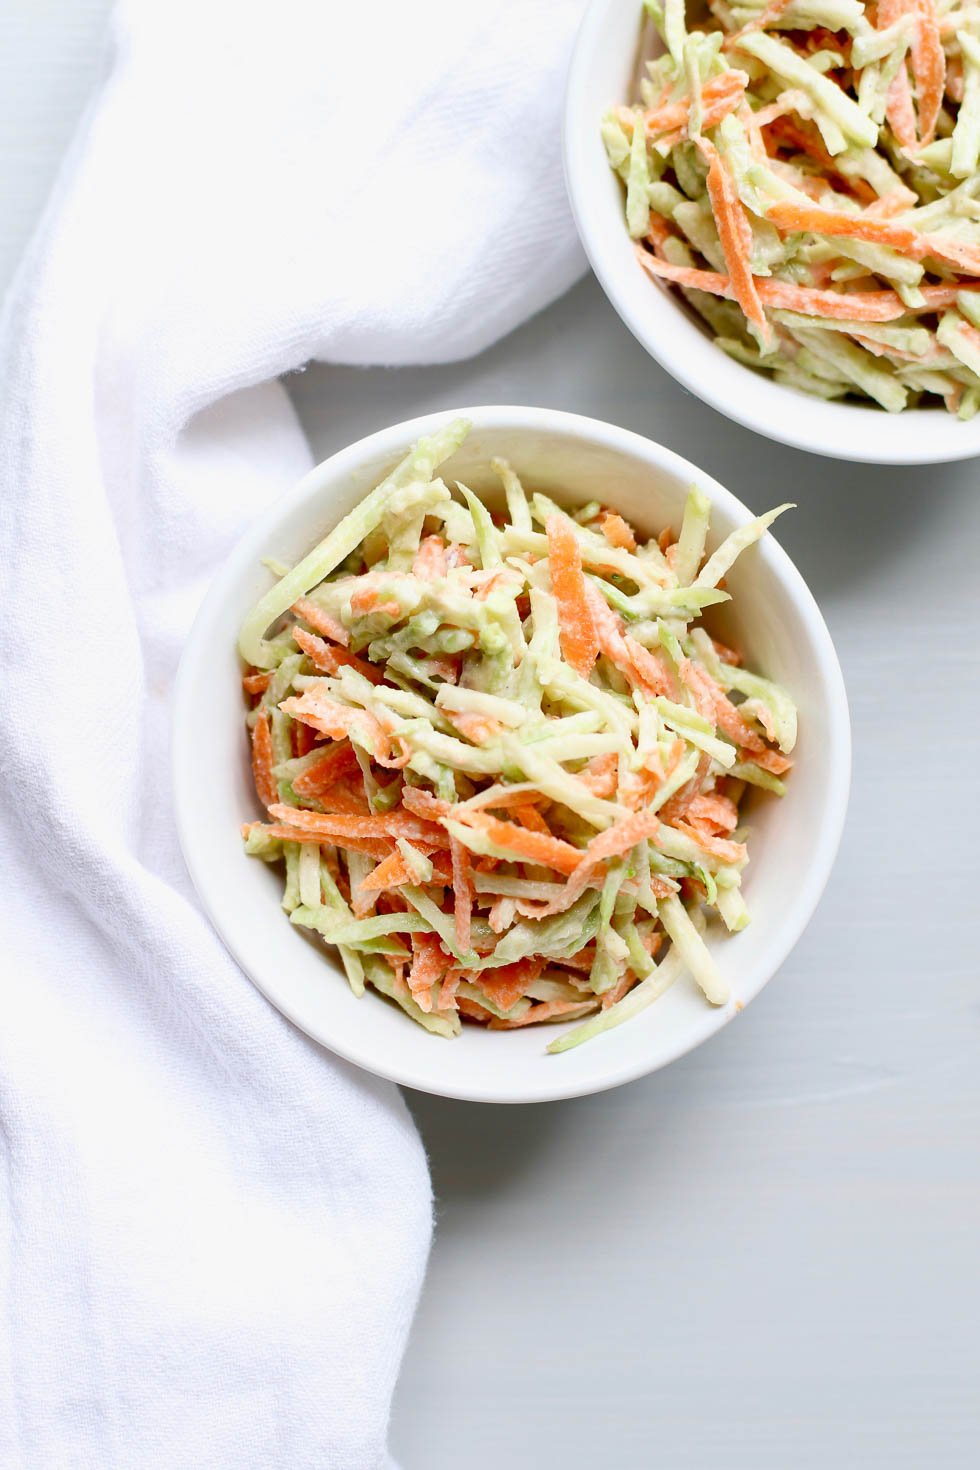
pixel 765 1257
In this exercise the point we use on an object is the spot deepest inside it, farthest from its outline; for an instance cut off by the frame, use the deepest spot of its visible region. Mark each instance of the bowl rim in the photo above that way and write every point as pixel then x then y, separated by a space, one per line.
pixel 863 433
pixel 392 441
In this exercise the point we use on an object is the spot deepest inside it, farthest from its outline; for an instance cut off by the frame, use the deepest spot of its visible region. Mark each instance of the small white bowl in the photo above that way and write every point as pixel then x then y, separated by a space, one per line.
pixel 603 73
pixel 793 843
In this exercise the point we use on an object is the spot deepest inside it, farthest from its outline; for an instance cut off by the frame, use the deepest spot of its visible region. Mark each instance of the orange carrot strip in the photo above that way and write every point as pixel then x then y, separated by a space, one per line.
pixel 265 783
pixel 719 847
pixel 391 872
pixel 430 559
pixel 304 738
pixel 727 716
pixel 770 760
pixel 928 68
pixel 345 801
pixel 865 306
pixel 617 531
pixel 651 671
pixel 505 800
pixel 429 964
pixel 367 598
pixel 544 1011
pixel 329 657
pixel 337 828
pixel 532 847
pixel 320 621
pixel 477 729
pixel 463 892
pixel 716 812
pixel 424 804
pixel 621 988
pixel 447 990
pixel 790 216
pixel 600 774
pixel 620 837
pixel 678 804
pixel 735 236
pixel 316 707
pixel 576 630
pixel 719 96
pixel 507 984
pixel 617 839
pixel 337 762
pixel 285 833
pixel 471 1010
pixel 256 682
pixel 531 818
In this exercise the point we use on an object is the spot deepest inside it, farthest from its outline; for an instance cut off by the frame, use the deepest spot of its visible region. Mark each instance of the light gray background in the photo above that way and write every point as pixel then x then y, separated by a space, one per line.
pixel 764 1258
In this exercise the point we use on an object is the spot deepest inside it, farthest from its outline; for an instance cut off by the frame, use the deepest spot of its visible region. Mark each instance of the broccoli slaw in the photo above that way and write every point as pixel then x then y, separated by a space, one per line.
pixel 500 758
pixel 806 173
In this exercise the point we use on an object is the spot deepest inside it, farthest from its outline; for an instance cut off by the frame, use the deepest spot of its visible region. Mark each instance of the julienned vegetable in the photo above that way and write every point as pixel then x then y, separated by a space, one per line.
pixel 502 763
pixel 806 172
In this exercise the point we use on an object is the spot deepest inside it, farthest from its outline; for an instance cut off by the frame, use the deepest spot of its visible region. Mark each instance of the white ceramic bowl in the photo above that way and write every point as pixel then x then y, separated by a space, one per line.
pixel 794 841
pixel 603 72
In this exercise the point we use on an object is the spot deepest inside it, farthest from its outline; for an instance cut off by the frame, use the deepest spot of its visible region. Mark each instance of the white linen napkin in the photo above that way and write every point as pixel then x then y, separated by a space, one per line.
pixel 214 1232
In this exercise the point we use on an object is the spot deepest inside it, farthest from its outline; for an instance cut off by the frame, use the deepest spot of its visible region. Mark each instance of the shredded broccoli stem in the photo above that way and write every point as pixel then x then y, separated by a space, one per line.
pixel 480 793
pixel 836 227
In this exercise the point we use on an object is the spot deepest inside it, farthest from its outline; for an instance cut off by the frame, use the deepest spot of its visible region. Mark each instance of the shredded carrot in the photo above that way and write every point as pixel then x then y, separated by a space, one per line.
pixel 547 1010
pixel 391 872
pixel 463 891
pixel 675 808
pixel 316 707
pixel 471 1010
pixel 877 230
pixel 533 847
pixel 865 306
pixel 929 68
pixel 328 658
pixel 719 847
pixel 424 804
pixel 735 236
pixel 320 621
pixel 719 96
pixel 621 988
pixel 713 811
pixel 506 984
pixel 576 629
pixel 332 828
pixel 304 738
pixel 788 216
pixel 368 599
pixel 285 832
pixel 617 531
pixel 620 837
pixel 651 670
pixel 256 681
pixel 478 729
pixel 504 799
pixel 429 964
pixel 600 774
pixel 337 762
pixel 430 559
pixel 529 816
pixel 447 990
pixel 770 760
pixel 266 787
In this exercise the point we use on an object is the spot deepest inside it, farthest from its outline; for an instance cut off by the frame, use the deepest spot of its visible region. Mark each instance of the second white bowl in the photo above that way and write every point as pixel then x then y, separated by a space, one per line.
pixel 793 843
pixel 603 74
